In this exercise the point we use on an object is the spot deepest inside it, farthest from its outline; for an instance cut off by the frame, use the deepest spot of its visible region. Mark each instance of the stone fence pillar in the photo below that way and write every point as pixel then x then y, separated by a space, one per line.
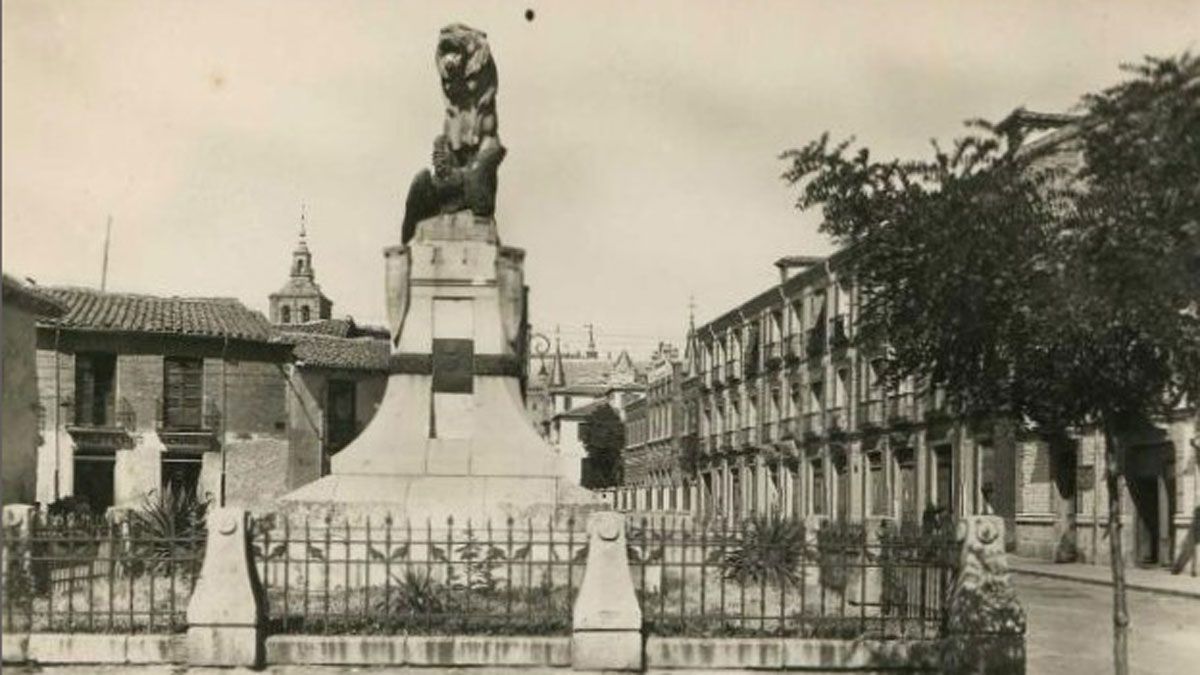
pixel 226 614
pixel 985 625
pixel 18 520
pixel 607 632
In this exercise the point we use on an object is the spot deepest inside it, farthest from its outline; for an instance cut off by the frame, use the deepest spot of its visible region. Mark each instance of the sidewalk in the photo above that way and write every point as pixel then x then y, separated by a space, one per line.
pixel 1148 580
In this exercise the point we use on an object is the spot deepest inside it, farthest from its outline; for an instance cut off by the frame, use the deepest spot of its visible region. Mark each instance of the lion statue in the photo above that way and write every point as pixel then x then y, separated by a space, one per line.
pixel 467 154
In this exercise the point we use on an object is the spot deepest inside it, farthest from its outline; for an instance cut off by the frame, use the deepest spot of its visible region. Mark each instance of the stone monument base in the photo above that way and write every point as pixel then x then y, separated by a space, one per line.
pixel 421 498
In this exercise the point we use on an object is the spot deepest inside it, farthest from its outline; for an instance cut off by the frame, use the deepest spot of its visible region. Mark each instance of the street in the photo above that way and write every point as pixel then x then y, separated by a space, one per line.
pixel 1070 629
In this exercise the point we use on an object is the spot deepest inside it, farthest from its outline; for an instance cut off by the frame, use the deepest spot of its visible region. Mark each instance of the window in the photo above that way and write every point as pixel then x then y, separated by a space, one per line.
pixel 181 473
pixel 816 499
pixel 183 392
pixel 95 389
pixel 304 314
pixel 907 484
pixel 341 426
pixel 944 479
pixel 285 314
pixel 877 487
pixel 841 473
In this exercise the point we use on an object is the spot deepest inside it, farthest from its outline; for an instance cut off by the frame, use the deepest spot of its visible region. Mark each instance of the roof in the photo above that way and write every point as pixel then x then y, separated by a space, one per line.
pixel 583 411
pixel 90 309
pixel 301 287
pixel 31 298
pixel 329 351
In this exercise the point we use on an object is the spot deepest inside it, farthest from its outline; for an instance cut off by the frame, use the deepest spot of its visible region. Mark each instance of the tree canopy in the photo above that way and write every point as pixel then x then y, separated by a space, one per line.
pixel 1055 280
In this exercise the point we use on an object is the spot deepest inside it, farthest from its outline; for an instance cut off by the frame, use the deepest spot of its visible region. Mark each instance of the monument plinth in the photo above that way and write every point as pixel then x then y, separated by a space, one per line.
pixel 450 437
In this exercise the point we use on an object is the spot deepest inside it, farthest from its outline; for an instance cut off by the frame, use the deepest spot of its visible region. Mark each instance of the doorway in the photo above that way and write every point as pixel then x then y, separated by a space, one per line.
pixel 1150 476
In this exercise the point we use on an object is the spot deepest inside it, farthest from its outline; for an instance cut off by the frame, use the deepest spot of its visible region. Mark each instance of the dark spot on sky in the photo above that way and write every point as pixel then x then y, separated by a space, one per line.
pixel 529 15
pixel 217 80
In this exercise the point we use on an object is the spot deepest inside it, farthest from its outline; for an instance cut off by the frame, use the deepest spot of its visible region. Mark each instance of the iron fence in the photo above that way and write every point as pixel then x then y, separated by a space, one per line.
pixel 388 577
pixel 779 577
pixel 76 573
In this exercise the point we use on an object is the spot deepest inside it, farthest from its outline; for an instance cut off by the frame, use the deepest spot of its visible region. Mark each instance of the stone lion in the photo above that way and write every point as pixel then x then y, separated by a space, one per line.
pixel 467 154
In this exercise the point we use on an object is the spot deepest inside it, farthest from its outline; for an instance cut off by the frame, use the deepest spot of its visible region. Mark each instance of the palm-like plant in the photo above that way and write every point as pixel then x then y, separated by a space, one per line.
pixel 167 530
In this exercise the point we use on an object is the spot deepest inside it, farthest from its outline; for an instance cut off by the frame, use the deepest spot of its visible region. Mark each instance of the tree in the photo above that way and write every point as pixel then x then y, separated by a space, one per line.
pixel 1053 285
pixel 603 437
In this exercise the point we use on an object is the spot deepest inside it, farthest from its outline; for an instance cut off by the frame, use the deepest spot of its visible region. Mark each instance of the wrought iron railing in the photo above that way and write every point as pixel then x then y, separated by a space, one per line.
pixel 386 576
pixel 82 573
pixel 779 578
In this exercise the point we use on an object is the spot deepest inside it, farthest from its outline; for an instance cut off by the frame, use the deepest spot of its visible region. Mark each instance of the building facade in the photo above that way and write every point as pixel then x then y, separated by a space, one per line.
pixel 143 392
pixel 657 475
pixel 22 410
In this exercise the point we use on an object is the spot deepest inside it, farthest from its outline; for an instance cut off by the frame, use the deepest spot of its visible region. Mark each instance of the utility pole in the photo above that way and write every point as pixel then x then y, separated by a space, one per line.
pixel 104 269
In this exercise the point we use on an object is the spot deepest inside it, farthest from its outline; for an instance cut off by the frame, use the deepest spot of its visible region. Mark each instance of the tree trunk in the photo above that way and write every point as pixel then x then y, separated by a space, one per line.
pixel 1120 610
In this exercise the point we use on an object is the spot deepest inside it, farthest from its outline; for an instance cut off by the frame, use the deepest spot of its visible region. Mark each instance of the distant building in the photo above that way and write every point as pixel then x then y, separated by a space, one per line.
pixel 301 299
pixel 657 475
pixel 22 409
pixel 559 395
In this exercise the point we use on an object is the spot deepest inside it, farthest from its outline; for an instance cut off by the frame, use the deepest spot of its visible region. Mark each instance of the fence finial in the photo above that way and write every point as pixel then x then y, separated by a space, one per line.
pixel 607 632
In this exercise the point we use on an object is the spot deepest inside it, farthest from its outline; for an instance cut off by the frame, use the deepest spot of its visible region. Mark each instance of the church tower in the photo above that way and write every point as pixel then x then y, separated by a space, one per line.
pixel 300 300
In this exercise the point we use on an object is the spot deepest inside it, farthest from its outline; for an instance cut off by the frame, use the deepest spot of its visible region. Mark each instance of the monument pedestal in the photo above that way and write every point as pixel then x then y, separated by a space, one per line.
pixel 450 437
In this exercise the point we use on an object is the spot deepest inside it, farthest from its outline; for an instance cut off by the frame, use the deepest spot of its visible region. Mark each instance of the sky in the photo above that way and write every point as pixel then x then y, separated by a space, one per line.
pixel 643 138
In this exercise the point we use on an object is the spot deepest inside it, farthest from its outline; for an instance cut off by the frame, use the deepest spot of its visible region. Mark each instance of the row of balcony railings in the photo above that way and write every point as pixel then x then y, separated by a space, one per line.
pixel 122 418
pixel 760 577
pixel 812 343
pixel 876 413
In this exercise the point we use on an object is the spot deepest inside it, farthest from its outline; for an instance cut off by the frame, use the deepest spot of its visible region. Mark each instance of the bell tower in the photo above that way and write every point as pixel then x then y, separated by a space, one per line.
pixel 300 300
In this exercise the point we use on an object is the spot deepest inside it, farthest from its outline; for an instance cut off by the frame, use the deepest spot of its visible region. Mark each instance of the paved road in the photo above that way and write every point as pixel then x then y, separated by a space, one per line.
pixel 1070 629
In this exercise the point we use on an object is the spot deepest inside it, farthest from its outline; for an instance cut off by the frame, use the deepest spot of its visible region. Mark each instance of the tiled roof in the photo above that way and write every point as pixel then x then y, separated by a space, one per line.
pixel 31 298
pixel 344 328
pixel 327 351
pixel 90 309
pixel 332 327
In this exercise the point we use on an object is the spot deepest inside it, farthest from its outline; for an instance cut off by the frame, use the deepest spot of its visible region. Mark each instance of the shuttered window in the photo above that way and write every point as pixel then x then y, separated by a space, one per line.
pixel 95 389
pixel 183 393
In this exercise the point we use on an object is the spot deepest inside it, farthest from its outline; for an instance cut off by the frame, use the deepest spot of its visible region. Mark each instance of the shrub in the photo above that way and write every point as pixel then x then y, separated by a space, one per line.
pixel 168 528
pixel 415 593
pixel 770 552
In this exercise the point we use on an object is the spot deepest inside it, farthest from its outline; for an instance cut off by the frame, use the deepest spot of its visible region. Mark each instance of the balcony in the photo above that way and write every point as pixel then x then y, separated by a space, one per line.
pixel 767 432
pixel 836 420
pixel 727 440
pixel 935 404
pixel 787 428
pixel 870 414
pixel 743 437
pixel 773 356
pixel 716 379
pixel 106 430
pixel 839 338
pixel 814 425
pixel 733 373
pixel 814 344
pixel 185 435
pixel 900 408
pixel 794 350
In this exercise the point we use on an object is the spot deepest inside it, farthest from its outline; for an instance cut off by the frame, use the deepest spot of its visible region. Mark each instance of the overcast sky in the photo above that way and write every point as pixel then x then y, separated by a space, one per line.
pixel 643 137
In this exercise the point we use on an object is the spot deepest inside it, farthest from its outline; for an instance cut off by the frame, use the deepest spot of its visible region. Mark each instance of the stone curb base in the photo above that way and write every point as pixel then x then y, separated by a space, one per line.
pixel 93 648
pixel 776 654
pixel 418 650
pixel 1078 578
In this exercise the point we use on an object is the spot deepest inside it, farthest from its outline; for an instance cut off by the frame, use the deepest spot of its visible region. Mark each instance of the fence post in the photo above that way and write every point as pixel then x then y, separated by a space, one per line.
pixel 607 631
pixel 226 614
pixel 985 624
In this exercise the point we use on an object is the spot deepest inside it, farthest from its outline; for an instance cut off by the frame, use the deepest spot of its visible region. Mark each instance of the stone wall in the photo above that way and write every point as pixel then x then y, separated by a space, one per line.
pixel 20 413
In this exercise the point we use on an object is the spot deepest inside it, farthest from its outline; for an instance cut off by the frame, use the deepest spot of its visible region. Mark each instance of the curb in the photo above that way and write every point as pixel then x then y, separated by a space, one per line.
pixel 1191 595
